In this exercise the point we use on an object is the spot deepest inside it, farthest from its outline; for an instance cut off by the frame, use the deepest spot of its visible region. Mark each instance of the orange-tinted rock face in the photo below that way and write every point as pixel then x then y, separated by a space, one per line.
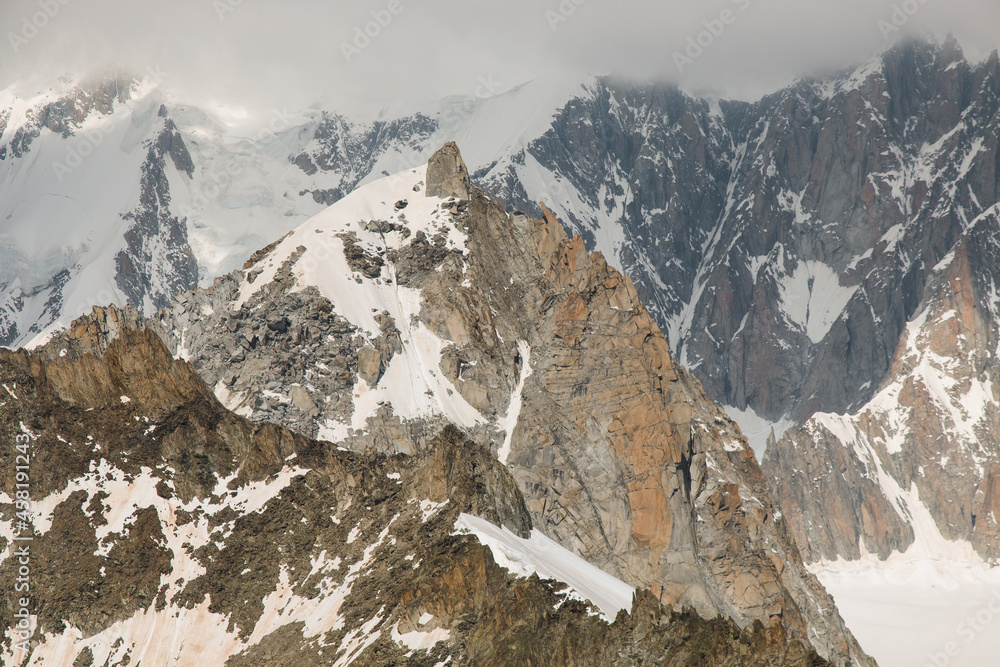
pixel 623 458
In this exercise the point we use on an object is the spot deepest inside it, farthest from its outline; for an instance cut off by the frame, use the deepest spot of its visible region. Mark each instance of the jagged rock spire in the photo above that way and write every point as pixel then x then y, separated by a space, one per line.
pixel 447 175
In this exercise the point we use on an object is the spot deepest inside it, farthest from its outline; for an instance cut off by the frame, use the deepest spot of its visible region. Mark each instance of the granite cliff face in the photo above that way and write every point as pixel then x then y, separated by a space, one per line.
pixel 788 249
pixel 912 466
pixel 395 312
pixel 781 245
pixel 918 464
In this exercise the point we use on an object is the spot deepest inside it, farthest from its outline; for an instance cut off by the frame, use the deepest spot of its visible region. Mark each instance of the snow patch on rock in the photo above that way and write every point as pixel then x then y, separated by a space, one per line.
pixel 541 555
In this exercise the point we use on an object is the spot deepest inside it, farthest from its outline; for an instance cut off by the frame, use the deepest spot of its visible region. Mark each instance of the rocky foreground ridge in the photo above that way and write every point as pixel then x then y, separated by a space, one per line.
pixel 170 531
pixel 394 313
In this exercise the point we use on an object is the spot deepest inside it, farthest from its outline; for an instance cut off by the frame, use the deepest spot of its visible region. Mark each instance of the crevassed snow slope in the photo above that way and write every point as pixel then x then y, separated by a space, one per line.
pixel 244 192
pixel 490 126
pixel 54 218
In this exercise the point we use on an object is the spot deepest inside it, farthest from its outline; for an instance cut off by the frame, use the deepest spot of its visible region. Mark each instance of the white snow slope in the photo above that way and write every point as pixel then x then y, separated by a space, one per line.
pixel 913 611
pixel 539 554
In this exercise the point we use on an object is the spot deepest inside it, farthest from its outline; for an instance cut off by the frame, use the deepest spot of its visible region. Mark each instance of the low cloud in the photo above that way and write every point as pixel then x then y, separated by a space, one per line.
pixel 380 52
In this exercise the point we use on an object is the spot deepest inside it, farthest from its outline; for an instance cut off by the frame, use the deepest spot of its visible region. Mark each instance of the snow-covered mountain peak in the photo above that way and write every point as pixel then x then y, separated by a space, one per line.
pixel 345 253
pixel 69 163
pixel 397 202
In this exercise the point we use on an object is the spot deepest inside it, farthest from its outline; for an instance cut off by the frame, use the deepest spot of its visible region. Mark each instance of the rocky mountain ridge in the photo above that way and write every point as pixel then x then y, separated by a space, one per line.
pixel 785 247
pixel 394 312
pixel 783 244
pixel 768 238
pixel 167 530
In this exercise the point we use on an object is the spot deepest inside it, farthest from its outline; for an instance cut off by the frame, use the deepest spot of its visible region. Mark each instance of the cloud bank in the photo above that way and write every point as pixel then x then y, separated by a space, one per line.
pixel 377 52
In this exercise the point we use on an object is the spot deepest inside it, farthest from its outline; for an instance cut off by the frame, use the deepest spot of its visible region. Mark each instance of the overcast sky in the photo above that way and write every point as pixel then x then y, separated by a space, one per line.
pixel 298 52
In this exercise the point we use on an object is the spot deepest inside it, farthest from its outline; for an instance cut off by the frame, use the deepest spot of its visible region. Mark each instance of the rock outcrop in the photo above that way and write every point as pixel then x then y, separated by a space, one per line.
pixel 624 459
pixel 157 262
pixel 447 175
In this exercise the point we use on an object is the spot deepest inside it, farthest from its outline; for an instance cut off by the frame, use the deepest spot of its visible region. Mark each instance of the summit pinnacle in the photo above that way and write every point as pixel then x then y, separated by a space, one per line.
pixel 447 175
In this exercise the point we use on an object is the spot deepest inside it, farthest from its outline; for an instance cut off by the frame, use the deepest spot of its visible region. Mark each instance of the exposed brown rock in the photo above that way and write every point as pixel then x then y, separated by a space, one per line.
pixel 619 454
pixel 369 364
pixel 447 175
pixel 616 449
pixel 394 567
